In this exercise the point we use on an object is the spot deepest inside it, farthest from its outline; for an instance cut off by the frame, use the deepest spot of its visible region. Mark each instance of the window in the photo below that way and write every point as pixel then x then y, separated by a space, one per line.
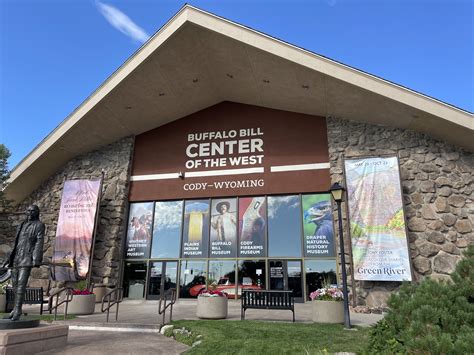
pixel 318 226
pixel 139 230
pixel 252 226
pixel 284 226
pixel 222 276
pixel 251 275
pixel 134 280
pixel 319 273
pixel 195 229
pixel 167 229
pixel 223 228
pixel 192 278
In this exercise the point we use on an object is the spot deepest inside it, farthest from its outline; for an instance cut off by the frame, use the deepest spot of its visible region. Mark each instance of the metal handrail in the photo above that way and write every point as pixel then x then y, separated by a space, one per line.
pixel 117 294
pixel 164 297
pixel 69 295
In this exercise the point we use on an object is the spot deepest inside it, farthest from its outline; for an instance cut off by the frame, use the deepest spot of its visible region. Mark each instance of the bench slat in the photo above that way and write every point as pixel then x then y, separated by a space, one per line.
pixel 262 299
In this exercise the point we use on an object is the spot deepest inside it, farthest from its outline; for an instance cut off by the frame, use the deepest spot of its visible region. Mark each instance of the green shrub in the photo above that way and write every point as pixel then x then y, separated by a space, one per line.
pixel 430 317
pixel 463 276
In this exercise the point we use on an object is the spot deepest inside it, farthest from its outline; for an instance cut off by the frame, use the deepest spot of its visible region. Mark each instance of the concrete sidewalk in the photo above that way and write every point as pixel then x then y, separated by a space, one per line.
pixel 141 312
pixel 93 342
pixel 137 329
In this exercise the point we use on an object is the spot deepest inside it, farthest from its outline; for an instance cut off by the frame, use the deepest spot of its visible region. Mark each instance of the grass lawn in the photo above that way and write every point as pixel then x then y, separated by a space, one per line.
pixel 46 317
pixel 254 337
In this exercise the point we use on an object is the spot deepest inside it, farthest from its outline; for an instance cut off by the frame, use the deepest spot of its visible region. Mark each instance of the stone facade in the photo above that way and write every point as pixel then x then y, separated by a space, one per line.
pixel 437 183
pixel 115 161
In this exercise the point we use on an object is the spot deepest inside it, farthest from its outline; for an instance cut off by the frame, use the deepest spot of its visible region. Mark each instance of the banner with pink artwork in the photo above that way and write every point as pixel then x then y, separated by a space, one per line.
pixel 75 230
pixel 378 233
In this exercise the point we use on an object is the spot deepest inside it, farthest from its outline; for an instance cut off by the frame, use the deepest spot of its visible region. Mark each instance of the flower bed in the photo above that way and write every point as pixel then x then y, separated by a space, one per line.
pixel 327 294
pixel 327 305
pixel 212 293
pixel 81 292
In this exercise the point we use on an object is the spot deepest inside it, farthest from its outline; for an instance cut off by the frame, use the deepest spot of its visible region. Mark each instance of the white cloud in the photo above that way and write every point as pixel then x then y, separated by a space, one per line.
pixel 122 22
pixel 276 202
pixel 168 214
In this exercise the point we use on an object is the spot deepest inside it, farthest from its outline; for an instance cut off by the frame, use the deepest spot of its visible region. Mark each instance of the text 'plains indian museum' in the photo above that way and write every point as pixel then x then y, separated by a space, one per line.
pixel 207 158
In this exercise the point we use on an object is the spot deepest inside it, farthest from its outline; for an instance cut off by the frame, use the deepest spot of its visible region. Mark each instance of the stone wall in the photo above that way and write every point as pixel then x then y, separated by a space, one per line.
pixel 115 161
pixel 437 182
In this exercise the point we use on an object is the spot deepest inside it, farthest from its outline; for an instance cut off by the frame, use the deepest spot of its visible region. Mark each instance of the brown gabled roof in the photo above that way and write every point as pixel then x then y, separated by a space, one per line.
pixel 198 59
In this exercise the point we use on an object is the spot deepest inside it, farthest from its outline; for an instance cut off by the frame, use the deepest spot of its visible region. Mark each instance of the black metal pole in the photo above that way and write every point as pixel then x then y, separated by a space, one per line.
pixel 347 318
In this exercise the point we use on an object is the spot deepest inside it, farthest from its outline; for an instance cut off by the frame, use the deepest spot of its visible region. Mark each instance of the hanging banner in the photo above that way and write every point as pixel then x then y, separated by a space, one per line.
pixel 379 240
pixel 318 225
pixel 140 221
pixel 75 230
pixel 195 229
pixel 224 228
pixel 252 226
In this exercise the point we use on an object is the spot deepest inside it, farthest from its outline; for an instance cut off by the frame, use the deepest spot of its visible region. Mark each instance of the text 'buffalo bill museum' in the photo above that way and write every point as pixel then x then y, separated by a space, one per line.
pixel 207 159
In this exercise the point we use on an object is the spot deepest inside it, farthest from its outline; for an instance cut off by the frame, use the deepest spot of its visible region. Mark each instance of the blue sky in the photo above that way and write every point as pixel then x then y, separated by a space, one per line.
pixel 55 53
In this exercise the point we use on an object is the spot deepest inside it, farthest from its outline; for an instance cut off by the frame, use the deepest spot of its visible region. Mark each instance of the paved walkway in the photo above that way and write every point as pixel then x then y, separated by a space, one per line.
pixel 136 331
pixel 92 342
pixel 146 312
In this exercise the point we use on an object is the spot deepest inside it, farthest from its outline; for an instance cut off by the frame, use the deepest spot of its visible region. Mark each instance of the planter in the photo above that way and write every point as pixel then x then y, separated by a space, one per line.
pixel 3 302
pixel 211 307
pixel 328 311
pixel 82 304
pixel 99 291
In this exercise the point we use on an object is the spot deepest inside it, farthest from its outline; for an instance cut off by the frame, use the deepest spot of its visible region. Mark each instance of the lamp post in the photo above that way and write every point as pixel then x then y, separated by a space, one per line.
pixel 337 192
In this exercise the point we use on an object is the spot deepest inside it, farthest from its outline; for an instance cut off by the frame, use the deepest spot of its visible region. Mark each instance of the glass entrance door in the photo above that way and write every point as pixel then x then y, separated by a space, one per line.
pixel 285 275
pixel 134 280
pixel 163 276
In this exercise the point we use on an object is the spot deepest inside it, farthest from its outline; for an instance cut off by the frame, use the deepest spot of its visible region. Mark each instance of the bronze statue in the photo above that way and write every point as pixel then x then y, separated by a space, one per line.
pixel 27 253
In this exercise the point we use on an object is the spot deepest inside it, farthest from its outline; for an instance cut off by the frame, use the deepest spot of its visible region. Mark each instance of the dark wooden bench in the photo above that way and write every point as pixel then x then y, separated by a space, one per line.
pixel 33 295
pixel 261 299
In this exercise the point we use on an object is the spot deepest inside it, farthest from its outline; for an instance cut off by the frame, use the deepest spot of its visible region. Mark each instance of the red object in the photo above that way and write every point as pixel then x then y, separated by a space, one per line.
pixel 82 292
pixel 213 292
pixel 225 286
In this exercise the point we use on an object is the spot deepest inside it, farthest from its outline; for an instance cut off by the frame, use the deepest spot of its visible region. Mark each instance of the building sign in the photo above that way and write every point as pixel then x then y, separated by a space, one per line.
pixel 379 240
pixel 231 149
pixel 222 149
pixel 224 228
pixel 75 230
pixel 252 226
pixel 195 229
pixel 139 230
pixel 318 225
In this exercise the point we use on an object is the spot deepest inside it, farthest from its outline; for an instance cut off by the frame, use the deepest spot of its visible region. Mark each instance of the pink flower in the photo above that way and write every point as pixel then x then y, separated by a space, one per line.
pixel 81 292
pixel 212 293
pixel 327 294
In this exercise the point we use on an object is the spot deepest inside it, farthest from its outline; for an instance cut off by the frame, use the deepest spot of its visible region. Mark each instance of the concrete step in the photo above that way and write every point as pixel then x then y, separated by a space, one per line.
pixel 111 327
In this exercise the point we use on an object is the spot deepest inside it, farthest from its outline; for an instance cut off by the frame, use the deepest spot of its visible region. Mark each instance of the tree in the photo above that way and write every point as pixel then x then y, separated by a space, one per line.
pixel 4 175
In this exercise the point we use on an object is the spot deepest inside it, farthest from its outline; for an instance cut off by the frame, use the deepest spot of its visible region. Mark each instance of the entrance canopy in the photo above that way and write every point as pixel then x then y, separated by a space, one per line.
pixel 197 60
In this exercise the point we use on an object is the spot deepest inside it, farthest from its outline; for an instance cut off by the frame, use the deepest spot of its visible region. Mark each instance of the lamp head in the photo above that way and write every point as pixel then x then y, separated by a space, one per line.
pixel 337 192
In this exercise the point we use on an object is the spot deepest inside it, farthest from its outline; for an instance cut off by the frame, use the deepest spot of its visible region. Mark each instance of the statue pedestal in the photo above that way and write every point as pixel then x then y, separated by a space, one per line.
pixel 32 340
pixel 23 322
